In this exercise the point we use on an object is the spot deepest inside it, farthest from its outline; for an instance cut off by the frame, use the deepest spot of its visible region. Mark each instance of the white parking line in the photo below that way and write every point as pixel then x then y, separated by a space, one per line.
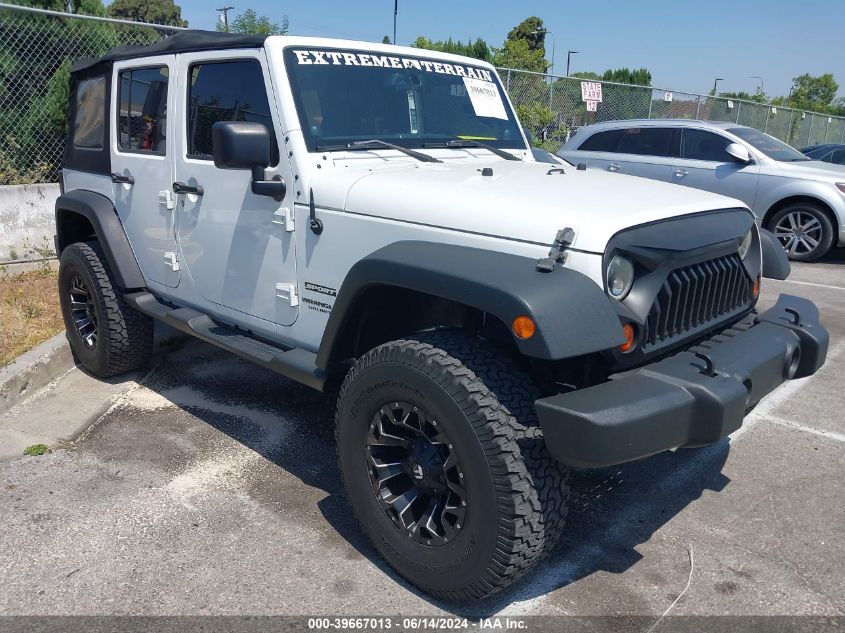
pixel 831 435
pixel 804 283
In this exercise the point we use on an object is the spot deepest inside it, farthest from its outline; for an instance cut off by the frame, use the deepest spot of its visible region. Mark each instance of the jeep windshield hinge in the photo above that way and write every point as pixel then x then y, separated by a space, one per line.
pixel 557 254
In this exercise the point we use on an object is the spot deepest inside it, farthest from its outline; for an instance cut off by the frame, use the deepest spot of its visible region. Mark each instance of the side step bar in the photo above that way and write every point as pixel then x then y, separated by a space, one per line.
pixel 298 364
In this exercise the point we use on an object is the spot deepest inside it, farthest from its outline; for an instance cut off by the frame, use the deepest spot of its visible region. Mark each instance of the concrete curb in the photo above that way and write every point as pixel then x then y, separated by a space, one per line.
pixel 34 370
pixel 37 368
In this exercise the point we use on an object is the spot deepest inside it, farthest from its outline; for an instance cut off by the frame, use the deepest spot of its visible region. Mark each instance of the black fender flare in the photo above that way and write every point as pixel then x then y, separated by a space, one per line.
pixel 572 313
pixel 101 214
pixel 775 262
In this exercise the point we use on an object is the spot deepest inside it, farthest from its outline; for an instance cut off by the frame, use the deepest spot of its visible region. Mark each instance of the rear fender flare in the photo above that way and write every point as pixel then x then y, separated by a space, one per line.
pixel 100 213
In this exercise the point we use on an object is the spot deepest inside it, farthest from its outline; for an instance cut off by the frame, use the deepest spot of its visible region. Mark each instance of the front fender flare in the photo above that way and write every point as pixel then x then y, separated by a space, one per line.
pixel 573 315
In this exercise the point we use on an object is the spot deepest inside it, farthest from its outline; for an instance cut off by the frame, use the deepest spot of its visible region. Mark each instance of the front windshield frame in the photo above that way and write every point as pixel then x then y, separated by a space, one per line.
pixel 293 55
pixel 776 150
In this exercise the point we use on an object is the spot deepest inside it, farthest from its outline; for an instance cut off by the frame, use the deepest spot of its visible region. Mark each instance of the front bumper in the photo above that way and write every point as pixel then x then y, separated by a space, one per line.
pixel 692 398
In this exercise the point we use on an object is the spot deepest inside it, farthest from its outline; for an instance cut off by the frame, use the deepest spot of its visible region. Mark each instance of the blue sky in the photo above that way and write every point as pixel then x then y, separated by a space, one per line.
pixel 684 44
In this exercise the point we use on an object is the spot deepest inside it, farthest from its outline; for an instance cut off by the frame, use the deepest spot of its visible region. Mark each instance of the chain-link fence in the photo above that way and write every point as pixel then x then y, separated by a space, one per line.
pixel 36 50
pixel 551 106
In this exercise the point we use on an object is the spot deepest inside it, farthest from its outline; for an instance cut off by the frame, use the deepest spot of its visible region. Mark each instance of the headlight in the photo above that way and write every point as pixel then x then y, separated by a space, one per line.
pixel 620 277
pixel 745 244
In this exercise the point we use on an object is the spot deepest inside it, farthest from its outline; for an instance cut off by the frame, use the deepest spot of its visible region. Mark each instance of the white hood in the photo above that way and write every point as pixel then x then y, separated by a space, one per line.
pixel 523 201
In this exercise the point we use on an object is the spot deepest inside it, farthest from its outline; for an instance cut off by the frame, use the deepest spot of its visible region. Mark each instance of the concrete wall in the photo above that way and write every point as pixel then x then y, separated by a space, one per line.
pixel 26 220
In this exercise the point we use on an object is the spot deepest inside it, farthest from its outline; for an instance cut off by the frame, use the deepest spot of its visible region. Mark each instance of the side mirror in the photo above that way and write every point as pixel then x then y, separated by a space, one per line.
pixel 738 153
pixel 242 145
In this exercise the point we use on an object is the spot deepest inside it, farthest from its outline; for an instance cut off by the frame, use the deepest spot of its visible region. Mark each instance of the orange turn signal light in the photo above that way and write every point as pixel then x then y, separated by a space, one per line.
pixel 756 288
pixel 629 332
pixel 524 327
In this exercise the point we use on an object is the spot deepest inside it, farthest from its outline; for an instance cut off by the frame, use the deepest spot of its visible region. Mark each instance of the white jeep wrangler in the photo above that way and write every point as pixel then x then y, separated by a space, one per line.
pixel 369 220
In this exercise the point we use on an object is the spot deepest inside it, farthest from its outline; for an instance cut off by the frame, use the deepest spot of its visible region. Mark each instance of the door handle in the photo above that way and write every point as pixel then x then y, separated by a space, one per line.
pixel 128 179
pixel 680 172
pixel 613 167
pixel 181 187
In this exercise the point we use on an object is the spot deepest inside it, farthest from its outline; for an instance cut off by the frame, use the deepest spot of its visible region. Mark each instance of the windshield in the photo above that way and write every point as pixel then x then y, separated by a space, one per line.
pixel 769 145
pixel 343 96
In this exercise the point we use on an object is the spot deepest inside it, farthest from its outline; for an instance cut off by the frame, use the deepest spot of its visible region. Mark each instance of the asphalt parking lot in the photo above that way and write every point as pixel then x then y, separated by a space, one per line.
pixel 210 487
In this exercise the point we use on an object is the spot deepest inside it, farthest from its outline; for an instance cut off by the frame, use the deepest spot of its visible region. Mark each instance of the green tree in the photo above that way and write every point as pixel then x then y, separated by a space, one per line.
pixel 637 76
pixel 84 7
pixel 530 30
pixel 517 53
pixel 813 93
pixel 477 49
pixel 385 39
pixel 757 97
pixel 151 11
pixel 250 23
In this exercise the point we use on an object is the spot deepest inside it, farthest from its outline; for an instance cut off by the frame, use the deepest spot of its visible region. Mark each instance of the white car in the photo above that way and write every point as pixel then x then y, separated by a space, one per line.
pixel 369 220
pixel 799 199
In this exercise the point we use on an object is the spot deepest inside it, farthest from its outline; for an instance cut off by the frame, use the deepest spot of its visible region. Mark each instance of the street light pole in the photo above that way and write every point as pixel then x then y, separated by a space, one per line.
pixel 715 84
pixel 395 12
pixel 225 12
pixel 569 54
pixel 761 82
pixel 554 39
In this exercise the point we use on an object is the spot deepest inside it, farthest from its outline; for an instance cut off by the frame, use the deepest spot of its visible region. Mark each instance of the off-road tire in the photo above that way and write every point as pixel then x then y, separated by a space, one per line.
pixel 517 493
pixel 124 337
pixel 825 238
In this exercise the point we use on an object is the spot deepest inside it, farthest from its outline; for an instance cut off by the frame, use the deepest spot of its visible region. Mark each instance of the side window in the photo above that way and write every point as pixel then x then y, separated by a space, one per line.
pixel 225 91
pixel 142 110
pixel 649 141
pixel 602 142
pixel 701 145
pixel 838 157
pixel 89 122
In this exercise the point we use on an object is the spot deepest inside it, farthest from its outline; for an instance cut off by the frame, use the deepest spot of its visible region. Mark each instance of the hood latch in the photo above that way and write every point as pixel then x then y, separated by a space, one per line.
pixel 557 254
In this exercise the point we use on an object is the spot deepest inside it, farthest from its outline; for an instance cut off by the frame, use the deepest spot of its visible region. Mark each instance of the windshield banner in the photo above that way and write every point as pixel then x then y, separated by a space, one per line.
pixel 341 58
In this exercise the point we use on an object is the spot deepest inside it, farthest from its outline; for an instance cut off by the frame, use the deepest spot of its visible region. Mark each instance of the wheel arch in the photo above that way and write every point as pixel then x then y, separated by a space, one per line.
pixel 83 216
pixel 451 285
pixel 785 202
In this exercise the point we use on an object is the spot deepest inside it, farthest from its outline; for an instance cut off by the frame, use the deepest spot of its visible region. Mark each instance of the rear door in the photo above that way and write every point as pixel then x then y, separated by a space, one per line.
pixel 647 152
pixel 142 162
pixel 704 164
pixel 597 150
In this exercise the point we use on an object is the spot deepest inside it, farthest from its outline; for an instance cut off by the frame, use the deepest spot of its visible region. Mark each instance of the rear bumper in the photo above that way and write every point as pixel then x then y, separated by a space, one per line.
pixel 686 399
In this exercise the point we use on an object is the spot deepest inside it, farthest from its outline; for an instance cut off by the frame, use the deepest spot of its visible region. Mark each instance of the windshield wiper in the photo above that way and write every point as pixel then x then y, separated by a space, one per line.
pixel 371 144
pixel 465 142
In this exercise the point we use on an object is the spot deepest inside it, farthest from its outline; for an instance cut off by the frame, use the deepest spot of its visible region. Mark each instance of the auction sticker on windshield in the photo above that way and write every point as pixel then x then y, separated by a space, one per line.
pixel 485 98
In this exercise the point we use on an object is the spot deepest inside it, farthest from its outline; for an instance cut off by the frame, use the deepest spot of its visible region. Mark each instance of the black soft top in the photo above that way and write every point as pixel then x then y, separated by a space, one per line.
pixel 182 42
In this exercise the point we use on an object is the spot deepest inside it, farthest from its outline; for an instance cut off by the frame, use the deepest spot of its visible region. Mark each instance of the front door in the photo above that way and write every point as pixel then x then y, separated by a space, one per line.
pixel 142 163
pixel 704 164
pixel 237 245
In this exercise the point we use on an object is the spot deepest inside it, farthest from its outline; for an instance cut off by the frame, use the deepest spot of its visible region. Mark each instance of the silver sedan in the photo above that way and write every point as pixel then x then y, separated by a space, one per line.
pixel 802 201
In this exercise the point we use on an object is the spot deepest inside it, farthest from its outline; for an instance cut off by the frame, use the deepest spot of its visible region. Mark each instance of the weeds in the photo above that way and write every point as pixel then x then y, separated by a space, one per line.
pixel 29 310
pixel 36 449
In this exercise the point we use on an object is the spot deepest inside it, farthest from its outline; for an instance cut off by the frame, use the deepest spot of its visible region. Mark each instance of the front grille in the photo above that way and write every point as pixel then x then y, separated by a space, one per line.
pixel 696 295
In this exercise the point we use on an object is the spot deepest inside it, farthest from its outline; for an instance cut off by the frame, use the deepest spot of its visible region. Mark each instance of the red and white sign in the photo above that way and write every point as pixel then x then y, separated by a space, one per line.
pixel 590 91
pixel 592 106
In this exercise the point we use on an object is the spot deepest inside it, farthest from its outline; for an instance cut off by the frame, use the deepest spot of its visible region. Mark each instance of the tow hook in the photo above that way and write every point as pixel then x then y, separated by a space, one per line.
pixel 709 369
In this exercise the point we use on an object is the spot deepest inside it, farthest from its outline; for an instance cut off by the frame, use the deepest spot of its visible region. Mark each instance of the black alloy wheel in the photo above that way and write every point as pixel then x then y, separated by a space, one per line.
pixel 83 311
pixel 416 474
